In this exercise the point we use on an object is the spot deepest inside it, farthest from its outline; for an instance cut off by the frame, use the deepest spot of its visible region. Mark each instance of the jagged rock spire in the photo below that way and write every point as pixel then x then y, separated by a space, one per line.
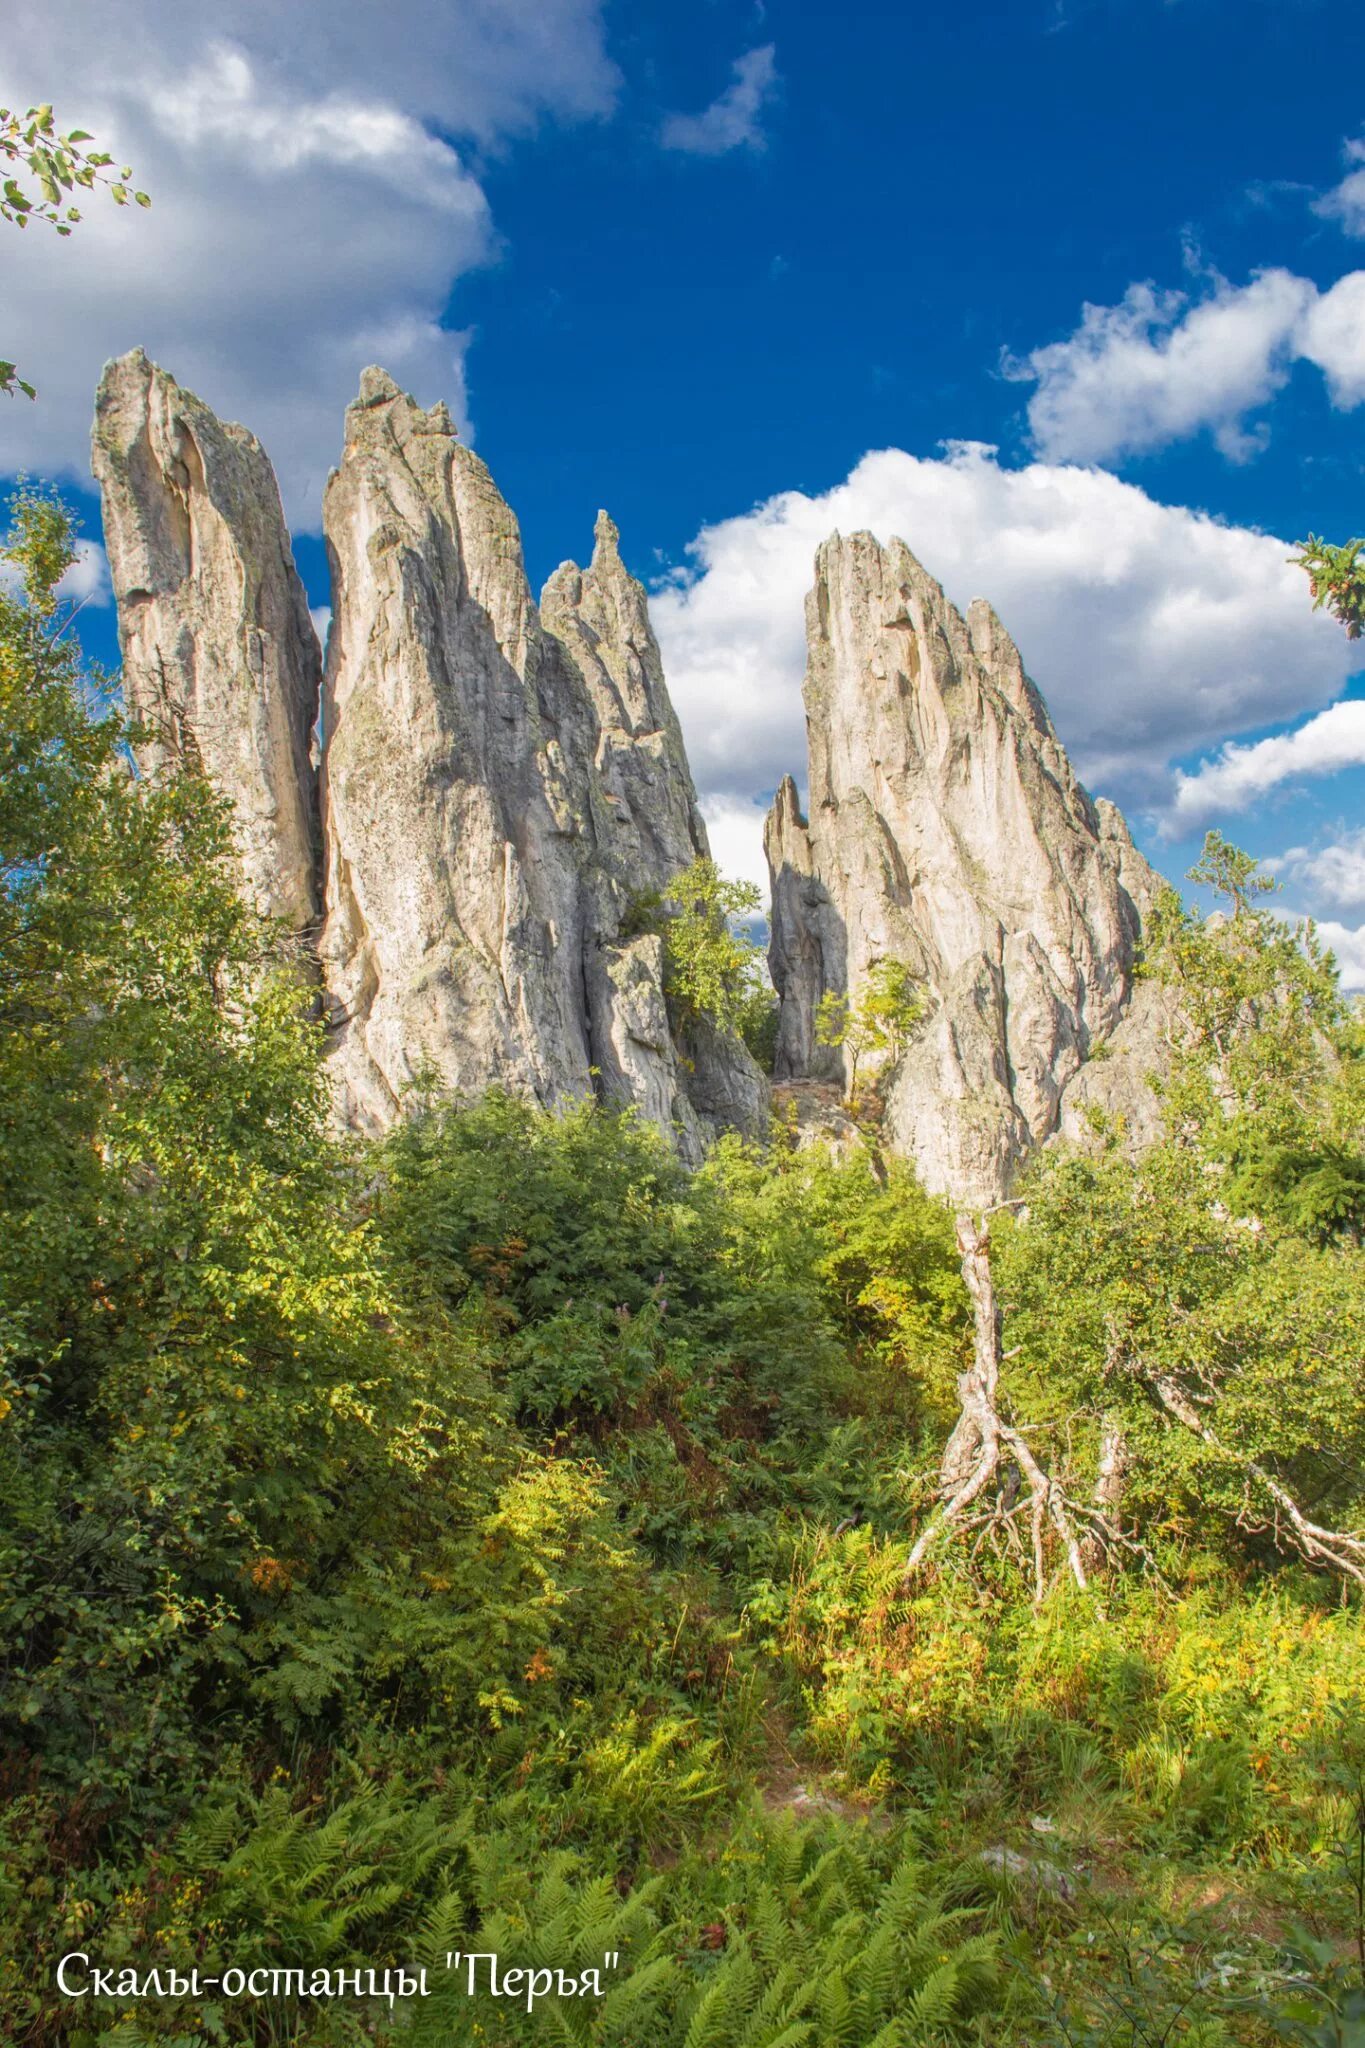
pixel 220 661
pixel 456 811
pixel 601 615
pixel 947 831
pixel 493 798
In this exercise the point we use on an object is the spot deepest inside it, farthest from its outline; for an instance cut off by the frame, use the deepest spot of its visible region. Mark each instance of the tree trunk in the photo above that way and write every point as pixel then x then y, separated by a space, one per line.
pixel 982 1439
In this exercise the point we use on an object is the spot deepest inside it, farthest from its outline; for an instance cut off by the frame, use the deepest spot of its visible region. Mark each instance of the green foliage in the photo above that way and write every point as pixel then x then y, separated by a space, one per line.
pixel 51 165
pixel 1208 1301
pixel 1336 576
pixel 467 1541
pixel 596 1271
pixel 55 164
pixel 713 971
pixel 1229 872
pixel 889 1006
pixel 194 1352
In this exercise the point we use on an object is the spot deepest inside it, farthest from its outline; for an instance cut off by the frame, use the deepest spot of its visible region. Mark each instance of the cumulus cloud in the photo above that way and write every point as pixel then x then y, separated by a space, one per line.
pixel 1335 873
pixel 1346 202
pixel 734 826
pixel 1333 337
pixel 734 120
pixel 1162 366
pixel 306 218
pixel 85 582
pixel 1153 631
pixel 1238 774
pixel 1348 943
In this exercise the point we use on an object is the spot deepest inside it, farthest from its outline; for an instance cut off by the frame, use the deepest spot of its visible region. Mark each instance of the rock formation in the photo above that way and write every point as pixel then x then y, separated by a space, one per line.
pixel 652 830
pixel 453 938
pixel 947 831
pixel 602 618
pixel 497 791
pixel 504 784
pixel 220 661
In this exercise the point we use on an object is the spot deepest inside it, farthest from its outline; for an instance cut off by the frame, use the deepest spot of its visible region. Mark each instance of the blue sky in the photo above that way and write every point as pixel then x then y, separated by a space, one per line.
pixel 744 272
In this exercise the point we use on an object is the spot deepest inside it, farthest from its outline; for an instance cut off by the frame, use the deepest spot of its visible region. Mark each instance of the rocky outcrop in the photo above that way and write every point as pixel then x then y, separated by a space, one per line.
pixel 601 617
pixel 503 790
pixel 220 661
pixel 650 829
pixel 456 815
pixel 1116 1093
pixel 498 790
pixel 948 832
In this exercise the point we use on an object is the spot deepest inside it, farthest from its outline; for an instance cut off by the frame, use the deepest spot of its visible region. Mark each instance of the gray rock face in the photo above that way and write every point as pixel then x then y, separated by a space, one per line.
pixel 947 831
pixel 456 814
pixel 496 790
pixel 1117 1081
pixel 601 616
pixel 495 795
pixel 220 661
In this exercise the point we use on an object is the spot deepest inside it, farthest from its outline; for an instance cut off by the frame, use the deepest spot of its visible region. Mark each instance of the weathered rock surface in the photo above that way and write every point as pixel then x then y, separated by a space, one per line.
pixel 220 661
pixel 455 816
pixel 653 830
pixel 601 616
pixel 502 782
pixel 1116 1084
pixel 946 831
pixel 496 795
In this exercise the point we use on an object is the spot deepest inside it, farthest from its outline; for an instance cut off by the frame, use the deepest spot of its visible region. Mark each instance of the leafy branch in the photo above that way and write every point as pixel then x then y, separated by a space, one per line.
pixel 1336 577
pixel 45 170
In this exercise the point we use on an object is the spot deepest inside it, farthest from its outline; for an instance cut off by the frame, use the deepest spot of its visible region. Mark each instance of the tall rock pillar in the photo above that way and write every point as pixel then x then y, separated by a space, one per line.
pixel 220 661
pixel 947 831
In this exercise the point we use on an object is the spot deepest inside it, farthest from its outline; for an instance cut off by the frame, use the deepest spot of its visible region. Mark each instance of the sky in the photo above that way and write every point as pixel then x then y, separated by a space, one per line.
pixel 1067 294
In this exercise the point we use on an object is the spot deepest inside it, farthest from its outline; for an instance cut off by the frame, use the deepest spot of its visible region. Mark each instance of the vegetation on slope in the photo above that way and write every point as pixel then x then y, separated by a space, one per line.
pixel 497 1540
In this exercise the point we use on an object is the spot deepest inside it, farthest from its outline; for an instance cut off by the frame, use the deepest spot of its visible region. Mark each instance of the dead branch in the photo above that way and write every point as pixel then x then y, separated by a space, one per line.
pixel 1290 1528
pixel 983 1440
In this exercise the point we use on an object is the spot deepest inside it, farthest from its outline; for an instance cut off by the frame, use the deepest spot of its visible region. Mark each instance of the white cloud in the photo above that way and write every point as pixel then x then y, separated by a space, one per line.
pixel 1346 201
pixel 735 830
pixel 305 218
pixel 1335 872
pixel 1160 367
pixel 484 68
pixel 1238 774
pixel 734 120
pixel 1333 337
pixel 1153 631
pixel 85 582
pixel 1348 943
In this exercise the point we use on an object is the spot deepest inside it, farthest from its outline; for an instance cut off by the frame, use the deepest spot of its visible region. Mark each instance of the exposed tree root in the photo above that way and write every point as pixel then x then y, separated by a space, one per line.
pixel 992 1487
pixel 984 1446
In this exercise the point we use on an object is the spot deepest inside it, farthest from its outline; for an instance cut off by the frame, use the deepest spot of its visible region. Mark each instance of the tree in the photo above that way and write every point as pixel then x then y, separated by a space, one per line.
pixel 44 165
pixel 713 970
pixel 888 1007
pixel 1229 872
pixel 1337 579
pixel 199 1360
pixel 1184 1330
